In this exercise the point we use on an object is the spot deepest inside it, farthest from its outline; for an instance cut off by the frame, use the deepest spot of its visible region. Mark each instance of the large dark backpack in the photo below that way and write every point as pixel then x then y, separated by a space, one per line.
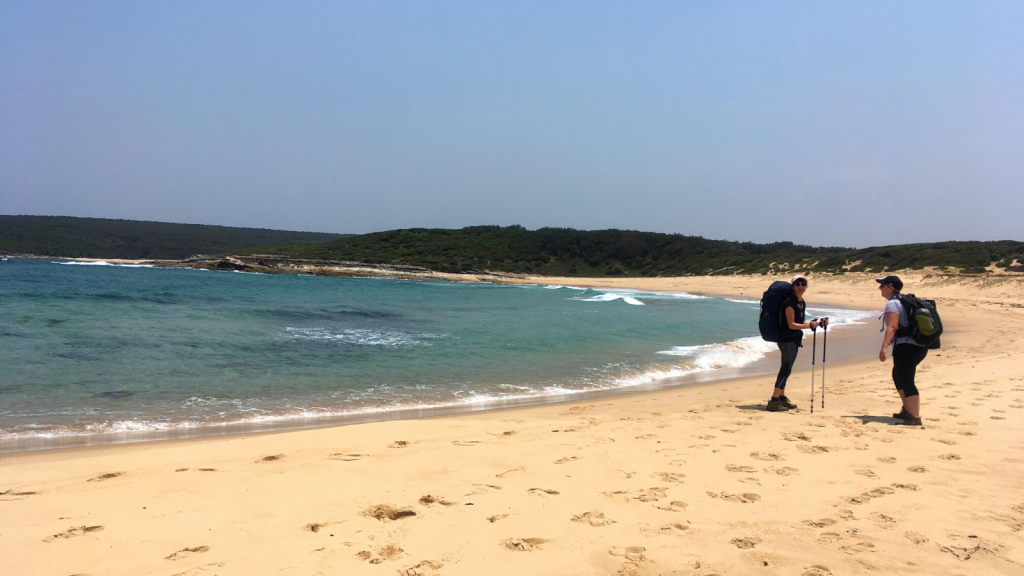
pixel 770 322
pixel 925 324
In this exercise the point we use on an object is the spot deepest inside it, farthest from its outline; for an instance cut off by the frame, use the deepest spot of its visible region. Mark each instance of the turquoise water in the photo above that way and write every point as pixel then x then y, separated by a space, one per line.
pixel 95 350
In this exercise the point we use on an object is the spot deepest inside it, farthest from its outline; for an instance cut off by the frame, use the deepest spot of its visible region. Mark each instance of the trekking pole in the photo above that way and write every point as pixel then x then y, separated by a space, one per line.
pixel 824 351
pixel 814 352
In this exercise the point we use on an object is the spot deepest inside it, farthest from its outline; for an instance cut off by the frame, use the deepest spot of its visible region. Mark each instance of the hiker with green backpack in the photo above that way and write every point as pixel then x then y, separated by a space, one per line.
pixel 913 326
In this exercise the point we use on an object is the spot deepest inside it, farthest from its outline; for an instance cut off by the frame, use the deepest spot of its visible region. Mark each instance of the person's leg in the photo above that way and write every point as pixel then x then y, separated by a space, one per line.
pixel 905 358
pixel 789 351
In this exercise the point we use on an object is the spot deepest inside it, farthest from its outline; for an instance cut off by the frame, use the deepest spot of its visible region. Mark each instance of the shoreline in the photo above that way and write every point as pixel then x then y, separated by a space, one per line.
pixel 691 480
pixel 338 417
pixel 761 368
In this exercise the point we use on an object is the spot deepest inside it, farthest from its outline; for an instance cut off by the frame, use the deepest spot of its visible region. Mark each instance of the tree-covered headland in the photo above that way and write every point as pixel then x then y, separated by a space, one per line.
pixel 568 252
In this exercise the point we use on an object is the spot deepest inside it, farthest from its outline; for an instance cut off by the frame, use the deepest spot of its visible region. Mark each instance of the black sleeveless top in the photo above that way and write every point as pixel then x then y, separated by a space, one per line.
pixel 785 333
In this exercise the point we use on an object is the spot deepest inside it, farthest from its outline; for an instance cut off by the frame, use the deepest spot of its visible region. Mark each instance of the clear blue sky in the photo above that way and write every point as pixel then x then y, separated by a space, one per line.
pixel 827 123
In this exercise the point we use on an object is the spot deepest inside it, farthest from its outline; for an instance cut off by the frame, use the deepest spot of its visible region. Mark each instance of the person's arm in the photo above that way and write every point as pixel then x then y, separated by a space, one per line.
pixel 791 321
pixel 892 322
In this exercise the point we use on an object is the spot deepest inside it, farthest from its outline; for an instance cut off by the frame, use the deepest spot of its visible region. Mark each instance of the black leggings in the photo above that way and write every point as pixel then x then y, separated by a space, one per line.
pixel 905 358
pixel 789 351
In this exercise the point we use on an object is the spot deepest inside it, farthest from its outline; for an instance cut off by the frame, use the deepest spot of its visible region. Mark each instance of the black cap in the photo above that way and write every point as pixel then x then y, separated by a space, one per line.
pixel 893 281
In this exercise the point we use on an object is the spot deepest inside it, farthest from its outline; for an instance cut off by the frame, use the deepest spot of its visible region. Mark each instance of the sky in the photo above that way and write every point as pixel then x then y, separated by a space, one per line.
pixel 823 123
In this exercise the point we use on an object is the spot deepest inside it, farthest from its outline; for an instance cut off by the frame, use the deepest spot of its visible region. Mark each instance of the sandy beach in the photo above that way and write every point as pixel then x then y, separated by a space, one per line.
pixel 696 480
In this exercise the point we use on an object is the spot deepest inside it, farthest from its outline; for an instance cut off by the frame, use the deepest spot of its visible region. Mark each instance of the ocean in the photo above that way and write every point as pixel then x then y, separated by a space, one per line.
pixel 96 352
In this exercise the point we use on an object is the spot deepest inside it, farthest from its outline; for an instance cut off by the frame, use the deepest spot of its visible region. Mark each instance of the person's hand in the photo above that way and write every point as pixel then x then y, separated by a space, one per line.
pixel 881 355
pixel 824 322
pixel 814 325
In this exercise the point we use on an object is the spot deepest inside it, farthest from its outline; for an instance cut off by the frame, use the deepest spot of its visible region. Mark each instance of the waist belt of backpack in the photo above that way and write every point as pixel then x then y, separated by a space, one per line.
pixel 903 332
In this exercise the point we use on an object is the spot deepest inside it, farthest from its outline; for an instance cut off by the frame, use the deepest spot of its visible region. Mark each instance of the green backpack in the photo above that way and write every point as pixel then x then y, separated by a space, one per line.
pixel 925 324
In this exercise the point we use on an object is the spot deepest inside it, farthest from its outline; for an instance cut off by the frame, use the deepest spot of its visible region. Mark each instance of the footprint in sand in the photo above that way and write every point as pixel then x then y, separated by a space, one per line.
pixel 883 521
pixel 887 460
pixel 668 476
pixel 424 568
pixel 496 517
pixel 676 528
pixel 631 553
pixel 106 476
pixel 314 526
pixel 767 457
pixel 465 442
pixel 566 459
pixel 845 514
pixel 73 532
pixel 746 498
pixel 795 437
pixel 745 543
pixel 9 495
pixel 507 472
pixel 857 548
pixel 817 570
pixel 428 499
pixel 523 544
pixel 945 441
pixel 822 523
pixel 650 494
pixel 829 537
pixel 543 492
pixel 737 468
pixel 866 472
pixel 399 444
pixel 389 552
pixel 674 506
pixel 186 552
pixel 483 489
pixel 182 470
pixel 594 518
pixel 273 458
pixel 386 513
pixel 808 449
pixel 949 457
pixel 916 538
pixel 918 469
pixel 783 471
pixel 346 457
pixel 910 487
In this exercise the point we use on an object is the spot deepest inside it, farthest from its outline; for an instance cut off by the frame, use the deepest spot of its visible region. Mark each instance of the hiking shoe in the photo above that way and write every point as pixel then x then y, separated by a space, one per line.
pixel 776 406
pixel 911 421
pixel 902 414
pixel 785 402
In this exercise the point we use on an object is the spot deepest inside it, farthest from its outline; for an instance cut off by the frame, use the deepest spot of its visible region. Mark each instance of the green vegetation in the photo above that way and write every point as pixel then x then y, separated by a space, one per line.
pixel 68 237
pixel 548 251
pixel 568 252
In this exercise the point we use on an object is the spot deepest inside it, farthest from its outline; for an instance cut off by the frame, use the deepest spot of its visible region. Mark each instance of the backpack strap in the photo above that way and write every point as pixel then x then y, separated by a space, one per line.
pixel 905 331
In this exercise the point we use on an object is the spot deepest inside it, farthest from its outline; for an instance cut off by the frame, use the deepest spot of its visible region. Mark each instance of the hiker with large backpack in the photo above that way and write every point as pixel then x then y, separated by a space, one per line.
pixel 913 326
pixel 782 322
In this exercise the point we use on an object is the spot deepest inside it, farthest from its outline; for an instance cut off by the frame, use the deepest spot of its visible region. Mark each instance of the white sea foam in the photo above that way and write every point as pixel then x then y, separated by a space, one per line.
pixel 610 296
pixel 362 337
pixel 103 263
